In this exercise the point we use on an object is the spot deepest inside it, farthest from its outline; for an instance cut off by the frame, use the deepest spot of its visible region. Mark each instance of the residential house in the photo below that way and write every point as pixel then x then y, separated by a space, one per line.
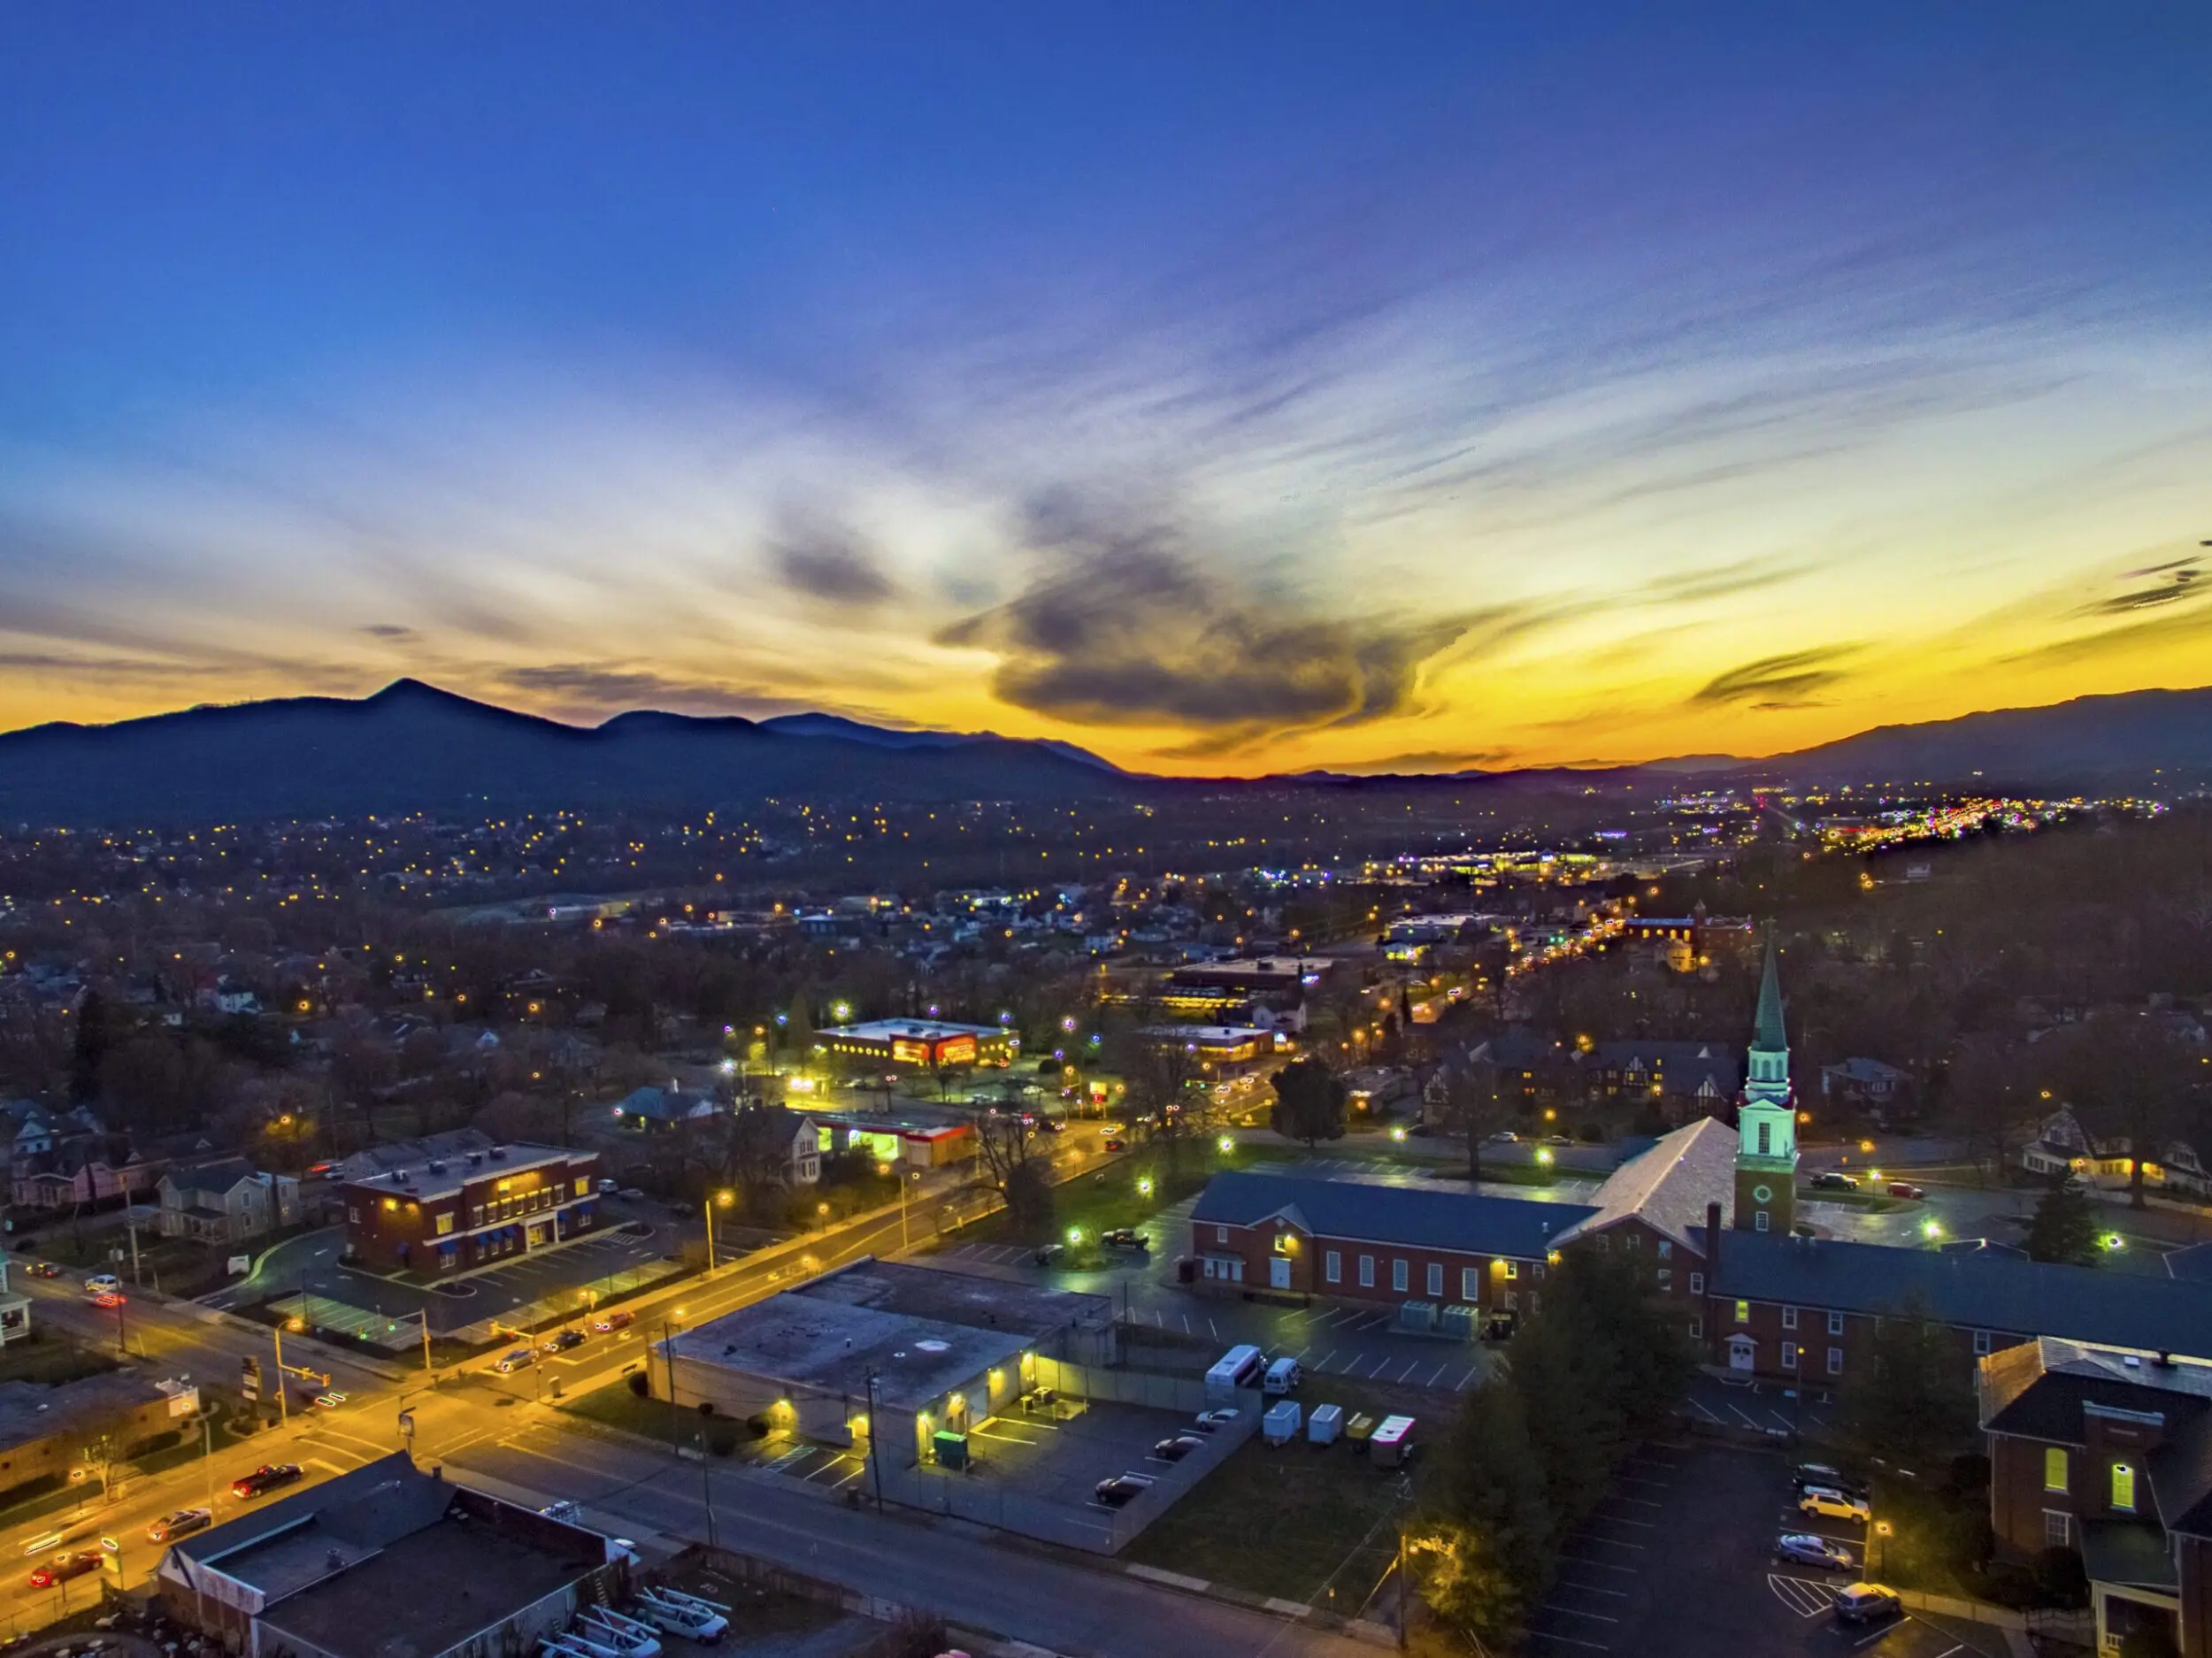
pixel 2108 1451
pixel 650 1110
pixel 1873 1083
pixel 226 1201
pixel 15 1307
pixel 2066 1146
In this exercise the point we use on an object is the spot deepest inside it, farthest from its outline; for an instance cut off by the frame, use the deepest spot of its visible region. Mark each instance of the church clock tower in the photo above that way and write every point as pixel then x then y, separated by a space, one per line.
pixel 1766 1121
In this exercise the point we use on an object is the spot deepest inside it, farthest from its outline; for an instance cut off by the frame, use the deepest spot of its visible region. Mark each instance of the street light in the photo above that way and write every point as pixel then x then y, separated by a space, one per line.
pixel 1144 1186
pixel 1225 1145
pixel 725 1197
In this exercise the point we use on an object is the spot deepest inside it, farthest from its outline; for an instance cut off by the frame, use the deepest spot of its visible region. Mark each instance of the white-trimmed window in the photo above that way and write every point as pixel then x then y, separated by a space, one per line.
pixel 1697 1328
pixel 1789 1318
pixel 1835 1361
pixel 1398 1276
pixel 1666 1248
pixel 1759 1219
pixel 1332 1267
pixel 1470 1283
pixel 1513 1269
pixel 1221 1234
pixel 1367 1273
pixel 2123 1487
pixel 1835 1324
pixel 2057 1475
pixel 1981 1344
pixel 1697 1283
pixel 1666 1277
pixel 2058 1529
pixel 1436 1279
pixel 1789 1356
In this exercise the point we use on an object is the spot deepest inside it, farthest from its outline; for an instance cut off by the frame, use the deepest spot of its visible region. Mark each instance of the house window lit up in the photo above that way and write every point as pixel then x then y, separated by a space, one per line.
pixel 1743 1312
pixel 2054 1469
pixel 2123 1487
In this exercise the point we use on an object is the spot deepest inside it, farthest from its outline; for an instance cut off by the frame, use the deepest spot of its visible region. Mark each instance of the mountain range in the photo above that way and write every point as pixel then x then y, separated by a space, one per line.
pixel 413 747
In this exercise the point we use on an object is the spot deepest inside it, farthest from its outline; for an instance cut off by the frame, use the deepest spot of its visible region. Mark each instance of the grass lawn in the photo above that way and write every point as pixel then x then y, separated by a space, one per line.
pixel 1302 1523
pixel 46 1355
pixel 617 1407
pixel 1114 1196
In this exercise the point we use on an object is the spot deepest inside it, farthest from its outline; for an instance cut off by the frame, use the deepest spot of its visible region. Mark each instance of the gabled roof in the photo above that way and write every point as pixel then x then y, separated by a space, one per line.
pixel 217 1179
pixel 1524 1228
pixel 1978 1289
pixel 1670 1185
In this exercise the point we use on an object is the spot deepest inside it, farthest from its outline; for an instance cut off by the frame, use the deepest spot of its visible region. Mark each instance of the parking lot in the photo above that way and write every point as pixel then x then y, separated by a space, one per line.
pixel 1327 1339
pixel 1769 1407
pixel 1677 1562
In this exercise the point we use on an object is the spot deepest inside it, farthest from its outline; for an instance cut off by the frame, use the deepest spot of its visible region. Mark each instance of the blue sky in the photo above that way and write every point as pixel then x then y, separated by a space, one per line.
pixel 1226 387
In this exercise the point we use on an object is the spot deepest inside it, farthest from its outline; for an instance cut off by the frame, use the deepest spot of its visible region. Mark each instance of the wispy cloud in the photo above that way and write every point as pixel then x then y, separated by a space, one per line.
pixel 1791 679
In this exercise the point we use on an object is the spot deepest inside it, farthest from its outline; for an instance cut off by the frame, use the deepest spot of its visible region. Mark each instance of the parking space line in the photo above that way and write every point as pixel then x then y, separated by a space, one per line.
pixel 1656 1485
pixel 1568 1611
pixel 1617 1519
pixel 1613 1542
pixel 1322 1361
pixel 1411 1365
pixel 1641 1503
pixel 1598 1565
pixel 1569 1640
pixel 1460 1386
pixel 1435 1378
pixel 1591 1588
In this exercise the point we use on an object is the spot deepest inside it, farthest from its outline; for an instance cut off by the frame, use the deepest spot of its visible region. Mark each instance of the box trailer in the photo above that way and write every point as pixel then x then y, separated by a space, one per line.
pixel 1279 1425
pixel 1325 1423
pixel 1392 1441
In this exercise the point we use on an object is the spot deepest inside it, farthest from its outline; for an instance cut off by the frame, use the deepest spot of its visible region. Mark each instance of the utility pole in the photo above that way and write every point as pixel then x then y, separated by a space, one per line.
pixel 875 1453
pixel 130 1223
pixel 284 1399
pixel 425 1316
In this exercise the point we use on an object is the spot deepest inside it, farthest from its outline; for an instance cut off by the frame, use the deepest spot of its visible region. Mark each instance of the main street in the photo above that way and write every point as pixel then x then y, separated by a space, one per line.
pixel 506 1429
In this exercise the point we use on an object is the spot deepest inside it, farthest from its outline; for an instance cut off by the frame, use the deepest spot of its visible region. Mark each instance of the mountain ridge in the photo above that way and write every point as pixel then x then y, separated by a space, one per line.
pixel 414 746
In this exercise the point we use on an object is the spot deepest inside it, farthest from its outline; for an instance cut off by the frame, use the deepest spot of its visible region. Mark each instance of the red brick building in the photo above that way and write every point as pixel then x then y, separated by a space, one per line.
pixel 2108 1451
pixel 454 1202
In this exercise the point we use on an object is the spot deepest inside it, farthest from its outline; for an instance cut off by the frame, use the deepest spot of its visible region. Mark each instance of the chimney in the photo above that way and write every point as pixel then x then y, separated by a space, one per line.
pixel 1712 1243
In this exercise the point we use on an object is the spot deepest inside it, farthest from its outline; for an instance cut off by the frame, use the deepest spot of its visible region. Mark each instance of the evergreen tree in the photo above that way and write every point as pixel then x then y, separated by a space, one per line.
pixel 2064 1227
pixel 1482 1554
pixel 1309 1102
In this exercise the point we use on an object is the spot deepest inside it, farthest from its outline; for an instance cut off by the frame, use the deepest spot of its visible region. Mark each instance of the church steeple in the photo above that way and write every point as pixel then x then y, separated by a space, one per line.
pixel 1767 1032
pixel 1766 1118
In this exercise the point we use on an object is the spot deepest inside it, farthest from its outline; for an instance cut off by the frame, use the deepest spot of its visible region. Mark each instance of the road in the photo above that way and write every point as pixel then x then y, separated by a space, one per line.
pixel 504 1428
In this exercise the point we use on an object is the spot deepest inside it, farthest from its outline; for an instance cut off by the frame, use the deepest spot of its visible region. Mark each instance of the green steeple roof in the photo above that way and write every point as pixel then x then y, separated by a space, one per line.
pixel 1768 1034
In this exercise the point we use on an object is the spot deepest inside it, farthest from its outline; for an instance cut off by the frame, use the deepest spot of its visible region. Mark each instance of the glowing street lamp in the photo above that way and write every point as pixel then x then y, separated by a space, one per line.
pixel 1225 1145
pixel 1932 1229
pixel 1144 1186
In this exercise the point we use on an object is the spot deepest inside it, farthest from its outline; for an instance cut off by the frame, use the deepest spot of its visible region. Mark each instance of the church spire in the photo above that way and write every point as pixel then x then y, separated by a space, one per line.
pixel 1767 1033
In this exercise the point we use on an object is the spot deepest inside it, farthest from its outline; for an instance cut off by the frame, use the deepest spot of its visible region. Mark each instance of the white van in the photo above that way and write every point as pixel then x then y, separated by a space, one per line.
pixel 1238 1367
pixel 1284 1375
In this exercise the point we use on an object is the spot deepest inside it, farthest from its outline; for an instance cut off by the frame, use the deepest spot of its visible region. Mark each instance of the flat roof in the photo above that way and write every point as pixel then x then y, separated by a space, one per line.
pixel 827 1346
pixel 959 1298
pixel 32 1410
pixel 429 1591
pixel 407 1166
pixel 912 1030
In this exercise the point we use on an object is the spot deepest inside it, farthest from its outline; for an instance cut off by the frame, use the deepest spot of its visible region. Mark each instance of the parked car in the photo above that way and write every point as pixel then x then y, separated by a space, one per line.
pixel 1808 1474
pixel 1869 1603
pixel 1835 1180
pixel 1906 1189
pixel 620 1318
pixel 633 1195
pixel 1833 1505
pixel 566 1508
pixel 607 1187
pixel 1114 1142
pixel 64 1567
pixel 520 1359
pixel 1208 1421
pixel 1801 1548
pixel 1504 1137
pixel 1177 1447
pixel 1125 1237
pixel 1121 1490
pixel 265 1479
pixel 1048 1253
pixel 183 1523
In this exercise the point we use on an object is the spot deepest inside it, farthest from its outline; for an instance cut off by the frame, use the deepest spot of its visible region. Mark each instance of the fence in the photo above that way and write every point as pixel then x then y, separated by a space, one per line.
pixel 1150 1388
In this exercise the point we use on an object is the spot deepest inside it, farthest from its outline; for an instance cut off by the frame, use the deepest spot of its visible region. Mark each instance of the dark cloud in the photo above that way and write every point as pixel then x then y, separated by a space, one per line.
pixel 390 631
pixel 2181 577
pixel 1139 636
pixel 584 688
pixel 824 565
pixel 1790 681
pixel 1424 762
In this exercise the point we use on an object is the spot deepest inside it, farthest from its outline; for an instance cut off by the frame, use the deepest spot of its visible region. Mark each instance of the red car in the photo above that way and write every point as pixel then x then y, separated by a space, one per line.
pixel 64 1567
pixel 1112 1144
pixel 616 1320
pixel 264 1479
pixel 1906 1189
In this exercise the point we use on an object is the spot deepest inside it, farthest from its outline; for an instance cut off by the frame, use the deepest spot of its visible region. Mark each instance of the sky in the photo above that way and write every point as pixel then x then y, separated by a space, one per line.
pixel 1228 389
